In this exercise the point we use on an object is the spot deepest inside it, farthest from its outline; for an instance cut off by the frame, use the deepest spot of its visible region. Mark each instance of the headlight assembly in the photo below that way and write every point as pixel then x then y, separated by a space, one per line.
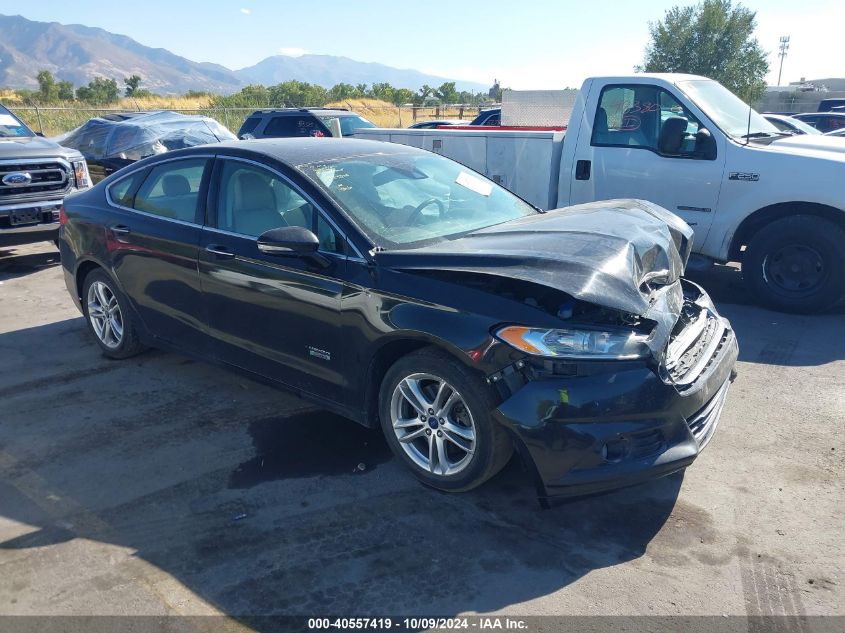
pixel 579 343
pixel 80 173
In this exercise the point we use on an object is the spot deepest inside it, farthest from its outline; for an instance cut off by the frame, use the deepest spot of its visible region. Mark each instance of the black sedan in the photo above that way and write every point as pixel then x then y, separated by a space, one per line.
pixel 401 289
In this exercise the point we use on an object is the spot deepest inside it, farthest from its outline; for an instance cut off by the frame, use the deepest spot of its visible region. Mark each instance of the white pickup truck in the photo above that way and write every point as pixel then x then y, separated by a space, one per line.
pixel 773 201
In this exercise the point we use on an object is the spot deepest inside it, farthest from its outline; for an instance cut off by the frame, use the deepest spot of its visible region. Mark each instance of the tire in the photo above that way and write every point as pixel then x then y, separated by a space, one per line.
pixel 99 289
pixel 797 264
pixel 466 402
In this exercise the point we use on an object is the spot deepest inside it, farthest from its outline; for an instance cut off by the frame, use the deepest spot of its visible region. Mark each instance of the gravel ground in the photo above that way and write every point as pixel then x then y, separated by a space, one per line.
pixel 160 485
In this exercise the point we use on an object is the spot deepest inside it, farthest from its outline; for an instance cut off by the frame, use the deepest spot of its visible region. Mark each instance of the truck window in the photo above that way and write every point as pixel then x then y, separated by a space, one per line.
pixel 634 116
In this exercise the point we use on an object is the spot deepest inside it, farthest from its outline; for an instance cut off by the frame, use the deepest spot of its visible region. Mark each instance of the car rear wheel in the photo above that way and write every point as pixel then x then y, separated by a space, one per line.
pixel 436 416
pixel 108 318
pixel 797 264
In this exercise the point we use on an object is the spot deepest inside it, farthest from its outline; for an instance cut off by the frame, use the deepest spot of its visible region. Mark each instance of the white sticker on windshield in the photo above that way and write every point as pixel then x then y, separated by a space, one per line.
pixel 8 120
pixel 474 184
pixel 326 175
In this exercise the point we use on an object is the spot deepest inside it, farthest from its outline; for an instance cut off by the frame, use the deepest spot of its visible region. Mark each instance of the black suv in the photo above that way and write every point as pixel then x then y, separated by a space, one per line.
pixel 284 122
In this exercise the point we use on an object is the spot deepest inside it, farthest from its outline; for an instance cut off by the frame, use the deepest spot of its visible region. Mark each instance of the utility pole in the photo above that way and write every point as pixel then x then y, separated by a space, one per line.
pixel 784 47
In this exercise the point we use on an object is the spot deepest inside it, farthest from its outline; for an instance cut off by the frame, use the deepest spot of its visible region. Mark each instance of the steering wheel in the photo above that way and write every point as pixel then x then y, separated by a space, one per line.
pixel 417 212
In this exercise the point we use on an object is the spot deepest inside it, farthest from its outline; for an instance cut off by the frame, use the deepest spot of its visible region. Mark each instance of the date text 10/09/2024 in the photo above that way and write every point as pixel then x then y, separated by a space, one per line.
pixel 482 623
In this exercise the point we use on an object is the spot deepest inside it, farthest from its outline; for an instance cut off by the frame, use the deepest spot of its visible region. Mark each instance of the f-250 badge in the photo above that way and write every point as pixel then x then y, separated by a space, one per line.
pixel 744 175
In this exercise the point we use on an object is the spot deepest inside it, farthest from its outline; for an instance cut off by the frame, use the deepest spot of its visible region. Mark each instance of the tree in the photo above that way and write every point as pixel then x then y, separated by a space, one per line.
pixel 132 84
pixel 297 94
pixel 447 93
pixel 383 91
pixel 714 39
pixel 65 90
pixel 342 92
pixel 403 95
pixel 48 91
pixel 99 91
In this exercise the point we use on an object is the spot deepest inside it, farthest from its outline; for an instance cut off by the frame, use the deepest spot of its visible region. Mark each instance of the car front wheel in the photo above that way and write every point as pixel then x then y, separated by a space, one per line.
pixel 108 317
pixel 436 416
pixel 797 264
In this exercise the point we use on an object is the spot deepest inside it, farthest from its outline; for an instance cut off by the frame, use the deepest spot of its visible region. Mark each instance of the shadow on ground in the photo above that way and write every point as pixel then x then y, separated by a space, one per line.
pixel 768 337
pixel 261 505
pixel 15 264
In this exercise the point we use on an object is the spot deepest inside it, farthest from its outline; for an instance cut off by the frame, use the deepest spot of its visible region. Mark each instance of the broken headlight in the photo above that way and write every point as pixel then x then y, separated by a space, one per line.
pixel 580 342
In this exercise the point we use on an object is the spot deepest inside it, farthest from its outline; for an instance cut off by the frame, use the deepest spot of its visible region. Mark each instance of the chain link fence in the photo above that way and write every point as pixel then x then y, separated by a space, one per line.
pixel 51 121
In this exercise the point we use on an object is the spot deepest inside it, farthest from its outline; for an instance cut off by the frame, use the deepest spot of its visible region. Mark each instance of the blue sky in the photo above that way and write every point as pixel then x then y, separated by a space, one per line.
pixel 525 44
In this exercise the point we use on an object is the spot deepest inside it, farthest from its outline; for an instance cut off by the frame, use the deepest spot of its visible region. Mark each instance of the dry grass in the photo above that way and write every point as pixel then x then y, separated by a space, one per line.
pixel 385 114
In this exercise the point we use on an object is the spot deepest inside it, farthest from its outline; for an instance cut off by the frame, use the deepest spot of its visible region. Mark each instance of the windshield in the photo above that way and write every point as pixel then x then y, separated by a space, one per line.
pixel 11 126
pixel 411 200
pixel 348 124
pixel 728 112
pixel 804 127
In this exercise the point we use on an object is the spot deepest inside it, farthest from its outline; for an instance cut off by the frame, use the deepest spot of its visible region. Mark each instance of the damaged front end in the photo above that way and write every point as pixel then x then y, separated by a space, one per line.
pixel 623 374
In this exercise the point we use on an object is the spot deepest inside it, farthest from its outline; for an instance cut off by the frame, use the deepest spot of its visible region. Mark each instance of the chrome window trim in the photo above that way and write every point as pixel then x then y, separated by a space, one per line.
pixel 129 174
pixel 300 192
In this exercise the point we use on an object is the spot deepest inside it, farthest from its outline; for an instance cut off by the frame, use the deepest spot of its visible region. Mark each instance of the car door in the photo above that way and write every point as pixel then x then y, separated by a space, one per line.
pixel 275 315
pixel 153 240
pixel 622 156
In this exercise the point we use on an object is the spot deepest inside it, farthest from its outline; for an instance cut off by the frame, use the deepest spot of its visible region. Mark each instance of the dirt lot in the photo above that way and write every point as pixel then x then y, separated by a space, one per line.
pixel 160 485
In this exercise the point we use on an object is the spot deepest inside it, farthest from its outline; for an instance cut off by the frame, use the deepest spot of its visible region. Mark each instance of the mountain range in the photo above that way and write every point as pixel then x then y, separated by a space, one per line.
pixel 79 53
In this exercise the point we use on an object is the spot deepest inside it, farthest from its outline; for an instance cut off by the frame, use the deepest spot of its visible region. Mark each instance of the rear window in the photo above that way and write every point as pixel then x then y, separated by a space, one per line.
pixel 294 125
pixel 249 125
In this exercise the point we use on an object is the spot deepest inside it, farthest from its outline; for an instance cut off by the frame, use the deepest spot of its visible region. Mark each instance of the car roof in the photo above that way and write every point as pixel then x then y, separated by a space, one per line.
pixel 295 151
pixel 836 115
pixel 331 111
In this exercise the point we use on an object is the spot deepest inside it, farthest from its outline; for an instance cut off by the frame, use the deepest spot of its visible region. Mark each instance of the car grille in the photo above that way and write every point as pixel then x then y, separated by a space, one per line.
pixel 703 423
pixel 695 343
pixel 49 178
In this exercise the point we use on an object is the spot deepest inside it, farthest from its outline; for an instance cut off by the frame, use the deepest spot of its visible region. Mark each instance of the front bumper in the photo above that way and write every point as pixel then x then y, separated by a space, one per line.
pixel 45 229
pixel 606 429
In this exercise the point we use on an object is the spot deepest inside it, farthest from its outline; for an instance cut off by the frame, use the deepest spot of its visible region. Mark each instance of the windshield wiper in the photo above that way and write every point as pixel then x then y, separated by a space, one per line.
pixel 757 135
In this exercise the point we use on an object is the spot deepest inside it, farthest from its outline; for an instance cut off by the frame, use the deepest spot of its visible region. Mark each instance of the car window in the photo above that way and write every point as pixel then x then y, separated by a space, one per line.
pixel 253 200
pixel 635 116
pixel 348 123
pixel 294 125
pixel 249 125
pixel 171 189
pixel 120 192
pixel 10 125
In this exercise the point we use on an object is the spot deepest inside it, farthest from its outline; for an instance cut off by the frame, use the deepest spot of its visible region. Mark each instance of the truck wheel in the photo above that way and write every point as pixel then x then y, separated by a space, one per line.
pixel 108 316
pixel 435 415
pixel 797 264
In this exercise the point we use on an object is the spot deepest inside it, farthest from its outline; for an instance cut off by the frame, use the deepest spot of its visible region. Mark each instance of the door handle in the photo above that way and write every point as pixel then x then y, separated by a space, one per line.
pixel 121 229
pixel 220 252
pixel 582 170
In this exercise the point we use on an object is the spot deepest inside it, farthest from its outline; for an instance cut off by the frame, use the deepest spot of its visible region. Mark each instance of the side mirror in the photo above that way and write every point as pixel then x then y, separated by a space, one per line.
pixel 672 135
pixel 288 240
pixel 705 145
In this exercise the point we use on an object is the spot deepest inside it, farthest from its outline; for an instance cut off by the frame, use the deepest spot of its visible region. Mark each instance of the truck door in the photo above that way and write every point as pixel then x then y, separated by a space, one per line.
pixel 644 143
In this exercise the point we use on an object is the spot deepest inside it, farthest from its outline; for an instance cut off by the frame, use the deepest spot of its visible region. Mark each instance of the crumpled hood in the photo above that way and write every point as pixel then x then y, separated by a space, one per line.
pixel 611 253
